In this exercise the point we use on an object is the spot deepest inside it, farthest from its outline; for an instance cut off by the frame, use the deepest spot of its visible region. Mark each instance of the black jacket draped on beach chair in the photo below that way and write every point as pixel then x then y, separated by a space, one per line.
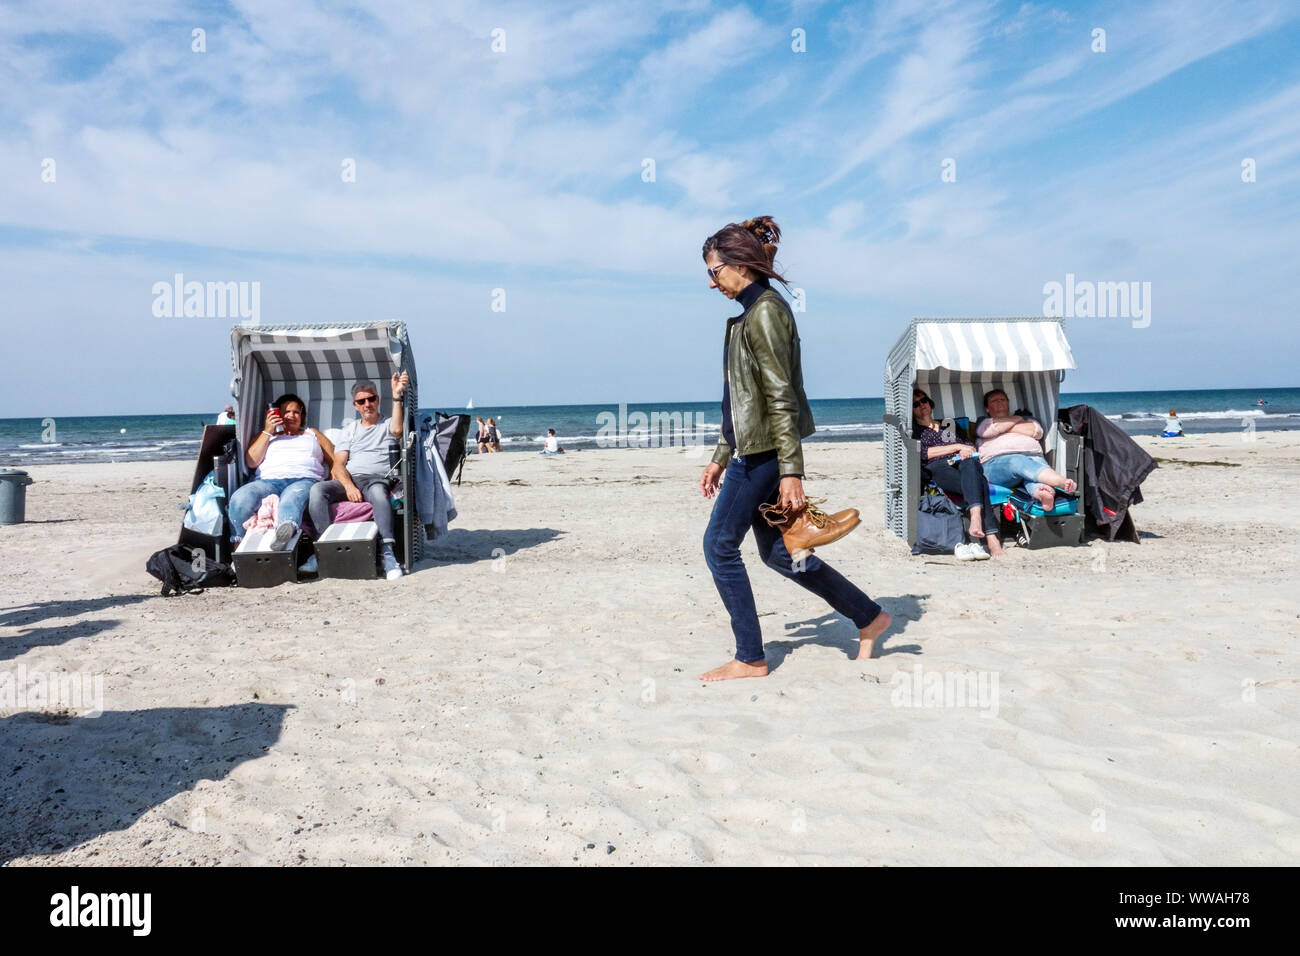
pixel 1115 466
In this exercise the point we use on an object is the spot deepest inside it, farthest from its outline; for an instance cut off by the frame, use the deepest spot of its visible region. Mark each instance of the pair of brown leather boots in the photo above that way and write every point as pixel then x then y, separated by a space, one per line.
pixel 809 527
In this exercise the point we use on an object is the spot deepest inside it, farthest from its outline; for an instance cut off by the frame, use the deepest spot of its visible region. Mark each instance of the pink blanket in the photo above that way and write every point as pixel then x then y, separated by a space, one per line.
pixel 267 513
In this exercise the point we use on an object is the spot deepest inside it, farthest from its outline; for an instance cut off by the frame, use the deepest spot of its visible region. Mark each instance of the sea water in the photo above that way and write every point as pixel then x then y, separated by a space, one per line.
pixel 109 438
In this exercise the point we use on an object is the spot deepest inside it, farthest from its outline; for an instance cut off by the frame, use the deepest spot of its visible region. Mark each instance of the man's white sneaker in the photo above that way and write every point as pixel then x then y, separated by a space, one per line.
pixel 963 552
pixel 308 566
pixel 392 570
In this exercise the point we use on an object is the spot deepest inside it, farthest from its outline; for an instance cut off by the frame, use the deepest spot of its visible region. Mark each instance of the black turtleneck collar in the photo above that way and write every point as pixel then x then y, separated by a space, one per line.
pixel 749 295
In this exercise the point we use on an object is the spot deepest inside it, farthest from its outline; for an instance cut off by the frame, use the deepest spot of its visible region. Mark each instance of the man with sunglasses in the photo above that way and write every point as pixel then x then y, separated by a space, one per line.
pixel 361 468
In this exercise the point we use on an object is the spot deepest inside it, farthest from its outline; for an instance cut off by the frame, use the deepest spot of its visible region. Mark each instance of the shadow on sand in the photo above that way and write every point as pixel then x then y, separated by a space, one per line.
pixel 32 613
pixel 67 779
pixel 834 630
pixel 461 546
pixel 17 644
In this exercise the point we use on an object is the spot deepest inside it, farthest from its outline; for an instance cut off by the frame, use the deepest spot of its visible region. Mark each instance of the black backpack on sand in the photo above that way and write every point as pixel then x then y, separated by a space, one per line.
pixel 175 567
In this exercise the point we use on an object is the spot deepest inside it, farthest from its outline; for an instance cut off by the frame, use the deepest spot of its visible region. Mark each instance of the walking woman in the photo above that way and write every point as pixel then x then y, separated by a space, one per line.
pixel 765 415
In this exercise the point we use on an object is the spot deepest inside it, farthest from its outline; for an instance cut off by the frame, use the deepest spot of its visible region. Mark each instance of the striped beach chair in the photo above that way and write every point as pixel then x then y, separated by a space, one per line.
pixel 321 363
pixel 955 361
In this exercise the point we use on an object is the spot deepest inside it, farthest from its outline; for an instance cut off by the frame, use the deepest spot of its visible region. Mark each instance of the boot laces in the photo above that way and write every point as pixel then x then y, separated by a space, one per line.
pixel 775 515
pixel 815 514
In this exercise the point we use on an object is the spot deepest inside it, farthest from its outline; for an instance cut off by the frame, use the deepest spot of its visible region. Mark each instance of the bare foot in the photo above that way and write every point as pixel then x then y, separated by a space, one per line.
pixel 976 522
pixel 734 668
pixel 1070 486
pixel 867 636
pixel 994 545
pixel 1046 497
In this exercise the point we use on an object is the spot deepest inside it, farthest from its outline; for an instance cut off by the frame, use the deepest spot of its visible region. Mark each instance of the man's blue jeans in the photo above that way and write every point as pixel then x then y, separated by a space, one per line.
pixel 247 499
pixel 750 482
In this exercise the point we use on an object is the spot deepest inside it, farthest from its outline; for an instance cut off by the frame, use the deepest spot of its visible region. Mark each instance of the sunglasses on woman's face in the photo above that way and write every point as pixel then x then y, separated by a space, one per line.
pixel 921 401
pixel 716 271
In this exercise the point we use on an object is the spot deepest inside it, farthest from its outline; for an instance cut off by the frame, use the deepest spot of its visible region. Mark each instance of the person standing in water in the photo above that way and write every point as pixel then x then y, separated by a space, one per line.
pixel 765 416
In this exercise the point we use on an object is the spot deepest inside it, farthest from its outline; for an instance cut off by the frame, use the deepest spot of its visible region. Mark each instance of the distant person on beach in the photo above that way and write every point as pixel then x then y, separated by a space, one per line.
pixel 552 444
pixel 1012 454
pixel 765 416
pixel 493 436
pixel 1173 427
pixel 361 470
pixel 227 417
pixel 482 436
pixel 287 465
pixel 964 477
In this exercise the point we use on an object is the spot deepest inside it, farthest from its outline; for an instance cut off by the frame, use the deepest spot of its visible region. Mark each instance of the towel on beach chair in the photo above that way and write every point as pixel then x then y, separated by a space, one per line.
pixel 267 514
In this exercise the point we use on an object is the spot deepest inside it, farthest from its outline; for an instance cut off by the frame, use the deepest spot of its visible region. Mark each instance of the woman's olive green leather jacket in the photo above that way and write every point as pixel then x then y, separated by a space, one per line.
pixel 768 407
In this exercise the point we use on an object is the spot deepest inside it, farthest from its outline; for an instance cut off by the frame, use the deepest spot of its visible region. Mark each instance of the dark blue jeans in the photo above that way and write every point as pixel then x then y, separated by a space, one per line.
pixel 750 482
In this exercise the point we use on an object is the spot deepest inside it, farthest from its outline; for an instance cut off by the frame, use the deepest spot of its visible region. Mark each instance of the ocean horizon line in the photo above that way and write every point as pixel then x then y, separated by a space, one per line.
pixel 479 406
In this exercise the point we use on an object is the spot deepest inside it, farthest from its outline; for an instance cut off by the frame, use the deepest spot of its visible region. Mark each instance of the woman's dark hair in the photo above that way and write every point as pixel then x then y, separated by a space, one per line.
pixel 291 397
pixel 751 244
pixel 991 392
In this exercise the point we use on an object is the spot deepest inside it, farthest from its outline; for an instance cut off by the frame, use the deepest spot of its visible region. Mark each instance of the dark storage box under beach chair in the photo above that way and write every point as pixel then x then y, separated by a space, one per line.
pixel 1048 531
pixel 349 550
pixel 257 566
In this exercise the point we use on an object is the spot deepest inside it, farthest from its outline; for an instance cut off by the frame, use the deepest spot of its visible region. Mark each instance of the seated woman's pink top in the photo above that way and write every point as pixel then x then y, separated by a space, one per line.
pixel 1008 442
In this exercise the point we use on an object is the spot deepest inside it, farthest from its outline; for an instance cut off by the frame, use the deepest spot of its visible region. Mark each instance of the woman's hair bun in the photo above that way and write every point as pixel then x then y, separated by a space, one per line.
pixel 765 230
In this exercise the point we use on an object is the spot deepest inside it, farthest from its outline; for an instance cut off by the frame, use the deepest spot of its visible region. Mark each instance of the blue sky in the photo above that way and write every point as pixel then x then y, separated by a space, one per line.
pixel 522 169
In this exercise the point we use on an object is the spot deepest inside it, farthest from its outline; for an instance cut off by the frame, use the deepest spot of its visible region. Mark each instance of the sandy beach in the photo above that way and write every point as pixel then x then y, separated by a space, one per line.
pixel 529 694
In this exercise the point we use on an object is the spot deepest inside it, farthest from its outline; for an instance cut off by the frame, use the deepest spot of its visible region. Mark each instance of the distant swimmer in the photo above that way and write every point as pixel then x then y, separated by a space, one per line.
pixel 1261 403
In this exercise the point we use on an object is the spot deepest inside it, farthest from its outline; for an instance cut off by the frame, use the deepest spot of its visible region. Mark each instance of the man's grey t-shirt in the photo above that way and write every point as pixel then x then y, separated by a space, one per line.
pixel 367 448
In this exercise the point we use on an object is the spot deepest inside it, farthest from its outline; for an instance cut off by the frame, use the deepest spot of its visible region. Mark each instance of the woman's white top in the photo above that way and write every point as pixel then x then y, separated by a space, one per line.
pixel 293 456
pixel 552 443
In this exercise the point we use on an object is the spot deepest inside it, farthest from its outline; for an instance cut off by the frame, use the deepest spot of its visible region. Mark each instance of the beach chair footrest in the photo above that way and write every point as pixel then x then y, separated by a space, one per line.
pixel 349 551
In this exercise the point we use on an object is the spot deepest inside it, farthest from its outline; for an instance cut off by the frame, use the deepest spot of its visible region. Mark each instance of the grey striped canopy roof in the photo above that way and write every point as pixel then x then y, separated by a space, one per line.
pixel 319 363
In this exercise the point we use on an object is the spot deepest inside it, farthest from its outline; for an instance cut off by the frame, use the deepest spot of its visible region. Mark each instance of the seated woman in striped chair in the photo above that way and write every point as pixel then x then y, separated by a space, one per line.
pixel 288 463
pixel 963 477
pixel 1009 447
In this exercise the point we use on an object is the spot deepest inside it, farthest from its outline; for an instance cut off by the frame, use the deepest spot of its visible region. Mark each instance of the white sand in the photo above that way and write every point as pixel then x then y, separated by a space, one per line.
pixel 532 688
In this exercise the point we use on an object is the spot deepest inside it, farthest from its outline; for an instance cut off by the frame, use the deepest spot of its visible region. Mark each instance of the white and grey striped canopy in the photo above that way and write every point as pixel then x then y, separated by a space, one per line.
pixel 995 346
pixel 958 360
pixel 320 364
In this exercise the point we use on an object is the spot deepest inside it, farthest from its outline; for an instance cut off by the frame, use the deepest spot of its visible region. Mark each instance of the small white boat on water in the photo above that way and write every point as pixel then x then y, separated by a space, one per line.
pixel 470 406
